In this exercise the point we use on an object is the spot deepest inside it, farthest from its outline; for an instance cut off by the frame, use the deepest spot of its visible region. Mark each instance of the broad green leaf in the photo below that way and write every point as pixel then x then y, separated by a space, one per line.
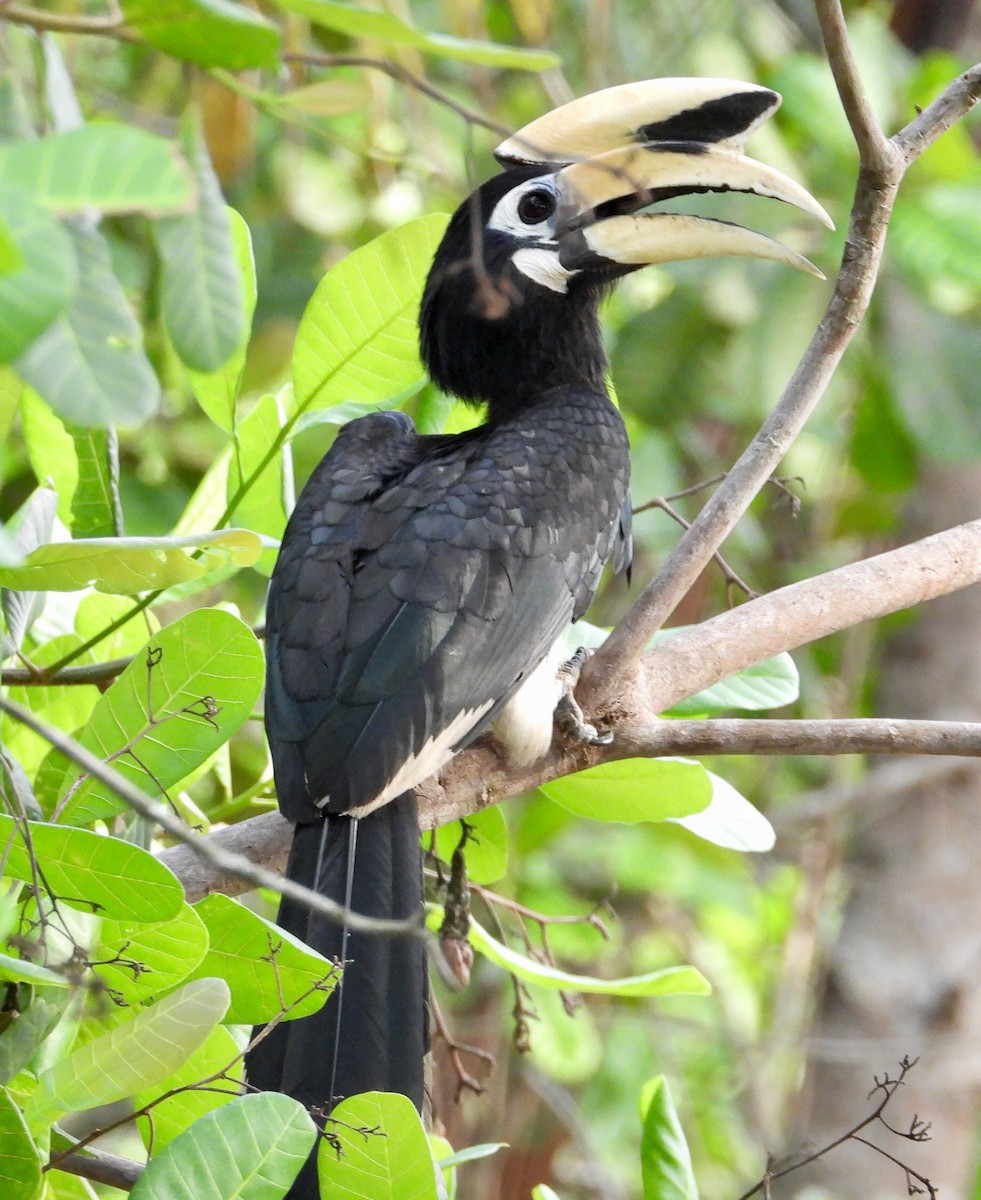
pixel 664 1156
pixel 250 1149
pixel 381 26
pixel 200 282
pixel 241 946
pixel 20 1159
pixel 202 675
pixel 391 1164
pixel 125 566
pixel 112 167
pixel 11 258
pixel 96 510
pixel 132 1056
pixel 769 684
pixel 358 339
pixel 634 789
pixel 674 981
pixel 89 364
pixel 260 473
pixel 218 390
pixel 730 821
pixel 486 849
pixel 218 1053
pixel 138 960
pixel 33 295
pixel 543 1192
pixel 93 873
pixel 51 449
pixel 211 33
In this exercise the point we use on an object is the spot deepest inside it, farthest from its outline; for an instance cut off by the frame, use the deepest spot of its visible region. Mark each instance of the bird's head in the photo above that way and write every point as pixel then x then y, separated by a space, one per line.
pixel 510 305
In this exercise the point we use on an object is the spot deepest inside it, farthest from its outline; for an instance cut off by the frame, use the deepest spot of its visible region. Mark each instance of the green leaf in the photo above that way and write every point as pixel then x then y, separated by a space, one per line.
pixel 674 981
pixel 20 1160
pixel 132 1056
pixel 93 873
pixel 51 449
pixel 565 1046
pixel 33 1028
pixel 139 960
pixel 112 167
pixel 385 27
pixel 89 364
pixel 202 675
pixel 935 235
pixel 260 473
pixel 96 510
pixel 543 1192
pixel 250 1149
pixel 32 296
pixel 471 1154
pixel 393 1164
pixel 486 849
pixel 730 821
pixel 211 33
pixel 769 684
pixel 21 970
pixel 218 1053
pixel 358 339
pixel 664 1156
pixel 218 390
pixel 125 566
pixel 201 286
pixel 242 944
pixel 11 258
pixel 634 789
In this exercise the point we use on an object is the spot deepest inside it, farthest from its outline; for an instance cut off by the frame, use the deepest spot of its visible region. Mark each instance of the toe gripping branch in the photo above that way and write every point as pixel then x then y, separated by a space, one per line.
pixel 569 717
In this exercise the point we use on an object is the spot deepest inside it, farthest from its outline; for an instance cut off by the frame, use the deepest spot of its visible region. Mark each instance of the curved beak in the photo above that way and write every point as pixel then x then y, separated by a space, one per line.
pixel 599 198
pixel 628 147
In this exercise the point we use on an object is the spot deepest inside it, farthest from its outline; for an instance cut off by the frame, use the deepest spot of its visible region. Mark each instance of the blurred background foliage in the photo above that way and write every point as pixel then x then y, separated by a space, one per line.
pixel 319 161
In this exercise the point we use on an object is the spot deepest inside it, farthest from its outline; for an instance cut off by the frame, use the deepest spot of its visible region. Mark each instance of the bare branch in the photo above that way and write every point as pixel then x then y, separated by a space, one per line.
pixel 875 150
pixel 101 1167
pixel 879 178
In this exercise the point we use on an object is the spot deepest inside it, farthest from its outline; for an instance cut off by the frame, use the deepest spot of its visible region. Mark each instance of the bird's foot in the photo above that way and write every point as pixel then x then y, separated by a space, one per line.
pixel 569 716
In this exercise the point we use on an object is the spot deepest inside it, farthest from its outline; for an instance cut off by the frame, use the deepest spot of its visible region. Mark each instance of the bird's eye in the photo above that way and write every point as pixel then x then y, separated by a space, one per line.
pixel 536 206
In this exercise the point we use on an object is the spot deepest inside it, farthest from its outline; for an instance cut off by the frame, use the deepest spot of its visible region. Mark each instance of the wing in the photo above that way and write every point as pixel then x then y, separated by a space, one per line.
pixel 421 579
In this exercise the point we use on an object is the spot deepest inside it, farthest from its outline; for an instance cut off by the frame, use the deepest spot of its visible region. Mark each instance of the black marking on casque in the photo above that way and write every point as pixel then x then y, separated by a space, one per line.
pixel 714 121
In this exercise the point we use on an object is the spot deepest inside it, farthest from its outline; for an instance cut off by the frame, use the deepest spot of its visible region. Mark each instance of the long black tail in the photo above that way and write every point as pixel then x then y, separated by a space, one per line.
pixel 382 1005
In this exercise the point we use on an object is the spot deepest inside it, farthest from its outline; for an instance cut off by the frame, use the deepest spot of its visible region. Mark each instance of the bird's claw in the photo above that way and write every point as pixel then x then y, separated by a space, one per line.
pixel 569 716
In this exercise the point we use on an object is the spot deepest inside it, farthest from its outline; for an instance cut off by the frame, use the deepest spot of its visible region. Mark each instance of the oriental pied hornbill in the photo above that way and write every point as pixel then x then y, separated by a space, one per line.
pixel 424 581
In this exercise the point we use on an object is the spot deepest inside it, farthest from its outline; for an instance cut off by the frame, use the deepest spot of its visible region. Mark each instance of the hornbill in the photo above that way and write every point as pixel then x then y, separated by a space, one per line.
pixel 424 582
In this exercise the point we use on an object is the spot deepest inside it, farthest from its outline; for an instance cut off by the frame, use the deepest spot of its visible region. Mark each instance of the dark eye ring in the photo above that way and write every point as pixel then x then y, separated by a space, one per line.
pixel 536 206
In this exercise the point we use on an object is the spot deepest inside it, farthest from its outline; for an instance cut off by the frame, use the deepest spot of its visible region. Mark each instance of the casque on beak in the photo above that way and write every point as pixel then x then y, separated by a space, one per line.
pixel 620 150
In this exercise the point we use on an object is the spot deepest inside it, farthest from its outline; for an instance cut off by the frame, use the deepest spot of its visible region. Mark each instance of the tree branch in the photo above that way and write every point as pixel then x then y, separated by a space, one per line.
pixel 101 1167
pixel 884 162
